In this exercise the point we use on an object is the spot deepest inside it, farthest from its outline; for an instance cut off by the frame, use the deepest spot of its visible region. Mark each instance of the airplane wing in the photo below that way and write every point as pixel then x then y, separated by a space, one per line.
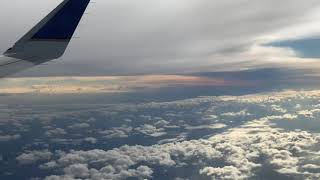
pixel 46 41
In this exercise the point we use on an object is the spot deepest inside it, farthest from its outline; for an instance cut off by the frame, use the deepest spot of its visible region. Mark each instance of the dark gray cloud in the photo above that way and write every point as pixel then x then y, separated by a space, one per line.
pixel 4 138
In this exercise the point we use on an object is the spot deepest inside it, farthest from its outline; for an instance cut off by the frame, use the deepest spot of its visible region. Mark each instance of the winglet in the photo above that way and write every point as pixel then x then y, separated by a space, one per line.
pixel 50 37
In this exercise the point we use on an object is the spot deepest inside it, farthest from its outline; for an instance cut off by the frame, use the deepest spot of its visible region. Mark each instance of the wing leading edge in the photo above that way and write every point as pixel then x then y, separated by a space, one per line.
pixel 47 40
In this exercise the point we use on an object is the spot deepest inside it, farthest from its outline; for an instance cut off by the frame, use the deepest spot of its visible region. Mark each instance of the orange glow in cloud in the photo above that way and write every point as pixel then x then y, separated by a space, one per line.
pixel 106 84
pixel 171 80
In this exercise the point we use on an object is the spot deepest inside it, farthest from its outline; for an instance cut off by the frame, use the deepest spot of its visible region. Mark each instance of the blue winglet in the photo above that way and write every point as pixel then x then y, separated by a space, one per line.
pixel 64 23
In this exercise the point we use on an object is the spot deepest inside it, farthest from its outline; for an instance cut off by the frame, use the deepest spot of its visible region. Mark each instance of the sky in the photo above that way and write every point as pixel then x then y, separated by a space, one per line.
pixel 172 37
pixel 170 89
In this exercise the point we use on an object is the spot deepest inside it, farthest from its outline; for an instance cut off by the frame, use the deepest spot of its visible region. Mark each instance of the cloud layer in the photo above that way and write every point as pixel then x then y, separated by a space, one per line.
pixel 129 37
pixel 242 153
pixel 218 137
